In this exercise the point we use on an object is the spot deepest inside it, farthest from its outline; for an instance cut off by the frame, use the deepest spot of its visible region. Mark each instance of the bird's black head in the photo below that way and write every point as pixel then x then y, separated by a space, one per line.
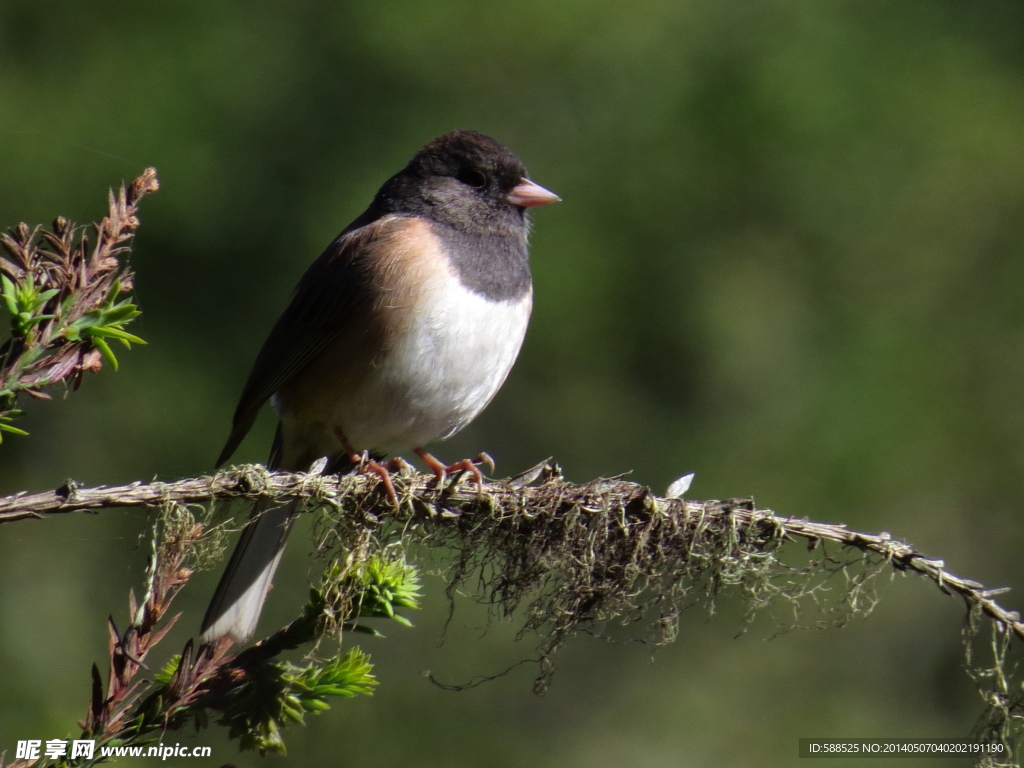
pixel 475 161
pixel 463 179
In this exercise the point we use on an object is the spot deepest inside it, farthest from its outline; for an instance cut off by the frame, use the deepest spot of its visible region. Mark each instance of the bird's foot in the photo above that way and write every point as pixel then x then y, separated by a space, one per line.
pixel 441 471
pixel 365 464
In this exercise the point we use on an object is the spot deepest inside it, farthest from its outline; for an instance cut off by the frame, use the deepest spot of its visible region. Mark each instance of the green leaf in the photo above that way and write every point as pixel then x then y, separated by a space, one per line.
pixel 5 425
pixel 362 629
pixel 115 289
pixel 10 295
pixel 121 313
pixel 104 349
pixel 167 672
pixel 113 333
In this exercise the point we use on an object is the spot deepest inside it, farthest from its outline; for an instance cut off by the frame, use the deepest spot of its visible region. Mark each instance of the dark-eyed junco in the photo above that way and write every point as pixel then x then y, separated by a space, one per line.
pixel 399 334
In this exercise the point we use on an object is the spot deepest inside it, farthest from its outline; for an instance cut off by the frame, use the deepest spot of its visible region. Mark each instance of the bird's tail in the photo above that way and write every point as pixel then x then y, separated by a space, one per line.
pixel 238 600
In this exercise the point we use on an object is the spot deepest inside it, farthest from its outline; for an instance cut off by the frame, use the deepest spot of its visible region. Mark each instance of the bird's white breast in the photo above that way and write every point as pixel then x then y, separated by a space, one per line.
pixel 441 373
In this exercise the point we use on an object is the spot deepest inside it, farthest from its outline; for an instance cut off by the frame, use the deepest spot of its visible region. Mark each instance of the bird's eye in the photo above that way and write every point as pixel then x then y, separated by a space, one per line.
pixel 472 178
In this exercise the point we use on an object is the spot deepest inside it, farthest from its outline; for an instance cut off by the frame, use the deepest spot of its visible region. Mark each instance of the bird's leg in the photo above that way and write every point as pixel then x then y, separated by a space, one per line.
pixel 466 465
pixel 365 464
pixel 438 468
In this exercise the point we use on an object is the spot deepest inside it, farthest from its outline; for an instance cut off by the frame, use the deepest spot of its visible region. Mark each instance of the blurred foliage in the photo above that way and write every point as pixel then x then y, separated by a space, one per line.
pixel 790 258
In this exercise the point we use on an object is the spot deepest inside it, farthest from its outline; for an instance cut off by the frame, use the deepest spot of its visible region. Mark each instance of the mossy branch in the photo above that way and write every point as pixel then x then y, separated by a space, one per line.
pixel 523 496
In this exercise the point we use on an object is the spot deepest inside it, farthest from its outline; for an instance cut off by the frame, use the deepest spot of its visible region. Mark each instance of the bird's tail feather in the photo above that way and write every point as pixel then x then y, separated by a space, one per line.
pixel 238 600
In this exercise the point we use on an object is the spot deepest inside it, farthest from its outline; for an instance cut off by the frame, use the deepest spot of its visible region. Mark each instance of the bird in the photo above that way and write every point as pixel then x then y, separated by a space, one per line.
pixel 398 335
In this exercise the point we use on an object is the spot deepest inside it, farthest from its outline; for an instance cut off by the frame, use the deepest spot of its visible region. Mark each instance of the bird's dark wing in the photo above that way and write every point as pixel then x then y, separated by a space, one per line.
pixel 327 299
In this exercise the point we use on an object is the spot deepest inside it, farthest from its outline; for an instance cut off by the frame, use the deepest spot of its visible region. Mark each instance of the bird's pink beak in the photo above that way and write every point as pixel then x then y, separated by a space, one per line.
pixel 526 194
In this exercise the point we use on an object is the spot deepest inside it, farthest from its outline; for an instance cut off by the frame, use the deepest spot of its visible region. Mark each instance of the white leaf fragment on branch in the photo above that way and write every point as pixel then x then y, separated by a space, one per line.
pixel 677 488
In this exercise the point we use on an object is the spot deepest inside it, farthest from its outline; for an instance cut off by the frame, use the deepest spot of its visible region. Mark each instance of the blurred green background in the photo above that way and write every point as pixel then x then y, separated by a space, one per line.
pixel 790 258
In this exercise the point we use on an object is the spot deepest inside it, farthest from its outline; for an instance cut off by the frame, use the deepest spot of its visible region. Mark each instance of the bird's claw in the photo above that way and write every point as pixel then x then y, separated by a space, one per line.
pixel 365 464
pixel 472 466
pixel 484 459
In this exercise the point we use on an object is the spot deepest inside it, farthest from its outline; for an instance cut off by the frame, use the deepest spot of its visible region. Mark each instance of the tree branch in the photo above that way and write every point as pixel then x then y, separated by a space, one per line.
pixel 522 495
